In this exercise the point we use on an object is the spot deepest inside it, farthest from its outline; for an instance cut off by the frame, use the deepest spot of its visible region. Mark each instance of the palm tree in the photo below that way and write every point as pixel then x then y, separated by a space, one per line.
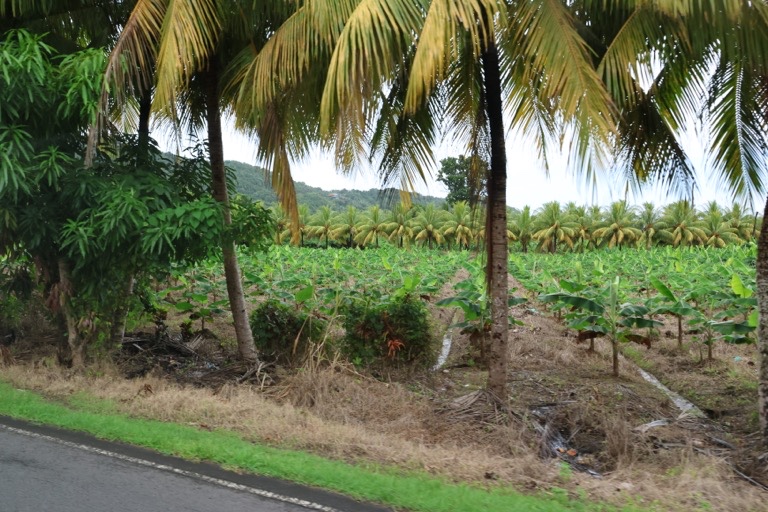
pixel 478 225
pixel 718 232
pixel 346 226
pixel 399 224
pixel 458 225
pixel 282 225
pixel 583 225
pixel 185 49
pixel 552 226
pixel 523 227
pixel 618 226
pixel 479 228
pixel 322 224
pixel 430 55
pixel 394 69
pixel 650 224
pixel 682 226
pixel 425 52
pixel 371 227
pixel 428 225
pixel 743 223
pixel 301 224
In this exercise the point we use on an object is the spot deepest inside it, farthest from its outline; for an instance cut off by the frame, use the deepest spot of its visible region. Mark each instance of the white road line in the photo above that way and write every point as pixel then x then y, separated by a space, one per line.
pixel 217 481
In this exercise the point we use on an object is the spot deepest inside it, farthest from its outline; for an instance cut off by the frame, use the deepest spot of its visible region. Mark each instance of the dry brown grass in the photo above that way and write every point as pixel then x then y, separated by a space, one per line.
pixel 327 427
pixel 357 419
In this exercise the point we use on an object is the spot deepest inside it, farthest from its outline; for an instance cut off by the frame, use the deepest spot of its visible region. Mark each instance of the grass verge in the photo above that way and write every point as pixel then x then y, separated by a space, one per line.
pixel 414 491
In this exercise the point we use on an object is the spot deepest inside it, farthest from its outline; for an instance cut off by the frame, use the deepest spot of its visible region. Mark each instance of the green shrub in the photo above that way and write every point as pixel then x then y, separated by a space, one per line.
pixel 394 330
pixel 11 312
pixel 282 333
pixel 16 287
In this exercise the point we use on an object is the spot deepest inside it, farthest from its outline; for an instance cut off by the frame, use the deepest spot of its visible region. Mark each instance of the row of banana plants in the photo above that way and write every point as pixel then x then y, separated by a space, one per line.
pixel 622 295
pixel 318 282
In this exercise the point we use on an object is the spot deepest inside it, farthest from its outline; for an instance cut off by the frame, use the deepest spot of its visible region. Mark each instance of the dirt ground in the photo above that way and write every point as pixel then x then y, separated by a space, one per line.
pixel 568 423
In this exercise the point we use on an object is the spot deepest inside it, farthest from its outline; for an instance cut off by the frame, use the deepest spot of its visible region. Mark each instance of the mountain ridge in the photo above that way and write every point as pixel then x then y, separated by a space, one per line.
pixel 252 182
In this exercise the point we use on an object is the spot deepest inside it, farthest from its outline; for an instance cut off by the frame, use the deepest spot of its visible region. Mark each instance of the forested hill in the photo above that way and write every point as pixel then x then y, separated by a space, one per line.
pixel 251 183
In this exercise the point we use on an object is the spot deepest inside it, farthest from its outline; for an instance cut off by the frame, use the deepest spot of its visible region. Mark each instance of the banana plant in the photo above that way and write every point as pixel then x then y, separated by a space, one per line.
pixel 472 299
pixel 669 303
pixel 603 314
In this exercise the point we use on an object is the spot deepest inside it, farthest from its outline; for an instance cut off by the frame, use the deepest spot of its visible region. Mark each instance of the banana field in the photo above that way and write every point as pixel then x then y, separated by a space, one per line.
pixel 624 294
pixel 619 294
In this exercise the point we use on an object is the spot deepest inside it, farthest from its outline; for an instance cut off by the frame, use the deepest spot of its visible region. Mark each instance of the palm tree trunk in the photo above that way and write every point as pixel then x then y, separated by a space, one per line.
pixel 145 110
pixel 245 344
pixel 762 328
pixel 497 246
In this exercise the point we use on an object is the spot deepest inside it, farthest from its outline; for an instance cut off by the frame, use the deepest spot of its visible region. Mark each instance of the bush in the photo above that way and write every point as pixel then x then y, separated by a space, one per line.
pixel 282 333
pixel 10 313
pixel 395 330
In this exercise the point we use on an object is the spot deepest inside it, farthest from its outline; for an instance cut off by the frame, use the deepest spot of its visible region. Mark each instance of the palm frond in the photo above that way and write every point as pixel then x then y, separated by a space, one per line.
pixel 131 63
pixel 447 23
pixel 190 32
pixel 739 123
pixel 370 48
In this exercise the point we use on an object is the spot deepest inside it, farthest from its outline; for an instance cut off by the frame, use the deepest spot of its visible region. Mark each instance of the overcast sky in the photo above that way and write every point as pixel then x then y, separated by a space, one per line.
pixel 527 182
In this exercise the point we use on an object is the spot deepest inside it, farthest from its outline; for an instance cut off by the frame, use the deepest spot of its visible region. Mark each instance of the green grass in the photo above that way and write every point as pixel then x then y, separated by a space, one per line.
pixel 413 491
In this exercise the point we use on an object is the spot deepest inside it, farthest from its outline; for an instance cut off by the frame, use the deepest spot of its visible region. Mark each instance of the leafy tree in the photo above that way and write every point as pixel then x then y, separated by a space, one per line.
pixel 120 220
pixel 465 179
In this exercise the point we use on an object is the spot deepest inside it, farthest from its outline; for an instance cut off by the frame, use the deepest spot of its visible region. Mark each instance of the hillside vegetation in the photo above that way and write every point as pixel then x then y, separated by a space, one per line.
pixel 253 183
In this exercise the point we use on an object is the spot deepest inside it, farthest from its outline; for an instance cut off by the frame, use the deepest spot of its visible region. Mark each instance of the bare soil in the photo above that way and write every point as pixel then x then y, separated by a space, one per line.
pixel 567 424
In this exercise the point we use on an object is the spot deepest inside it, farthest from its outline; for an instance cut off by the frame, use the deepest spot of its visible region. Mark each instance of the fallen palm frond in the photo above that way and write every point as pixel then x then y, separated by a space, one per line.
pixel 479 406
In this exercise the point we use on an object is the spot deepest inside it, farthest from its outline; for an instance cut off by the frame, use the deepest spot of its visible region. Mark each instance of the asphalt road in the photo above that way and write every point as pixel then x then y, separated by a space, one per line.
pixel 50 470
